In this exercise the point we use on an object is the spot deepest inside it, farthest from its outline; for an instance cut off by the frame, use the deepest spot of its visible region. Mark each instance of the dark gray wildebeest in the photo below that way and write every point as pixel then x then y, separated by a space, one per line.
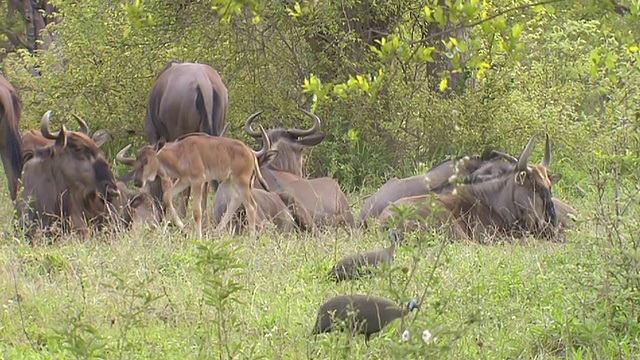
pixel 186 98
pixel 68 180
pixel 280 208
pixel 515 202
pixel 189 160
pixel 440 178
pixel 322 197
pixel 10 141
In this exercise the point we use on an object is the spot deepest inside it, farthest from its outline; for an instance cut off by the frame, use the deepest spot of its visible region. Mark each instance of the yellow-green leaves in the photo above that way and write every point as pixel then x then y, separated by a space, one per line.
pixel 296 11
pixel 137 15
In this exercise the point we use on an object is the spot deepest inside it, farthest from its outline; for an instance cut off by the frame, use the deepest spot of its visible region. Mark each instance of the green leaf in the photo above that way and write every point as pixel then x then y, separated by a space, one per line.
pixel 443 84
pixel 516 30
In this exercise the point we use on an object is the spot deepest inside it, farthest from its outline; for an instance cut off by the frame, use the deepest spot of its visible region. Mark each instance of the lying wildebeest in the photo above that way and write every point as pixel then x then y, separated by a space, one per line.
pixel 135 208
pixel 435 180
pixel 10 141
pixel 68 180
pixel 518 201
pixel 33 138
pixel 280 208
pixel 321 197
pixel 189 160
pixel 186 98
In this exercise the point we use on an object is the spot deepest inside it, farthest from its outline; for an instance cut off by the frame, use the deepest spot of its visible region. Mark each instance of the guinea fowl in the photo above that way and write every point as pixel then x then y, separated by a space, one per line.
pixel 354 266
pixel 361 314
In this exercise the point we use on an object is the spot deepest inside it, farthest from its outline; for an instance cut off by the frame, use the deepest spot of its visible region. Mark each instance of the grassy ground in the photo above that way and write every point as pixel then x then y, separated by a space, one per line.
pixel 160 295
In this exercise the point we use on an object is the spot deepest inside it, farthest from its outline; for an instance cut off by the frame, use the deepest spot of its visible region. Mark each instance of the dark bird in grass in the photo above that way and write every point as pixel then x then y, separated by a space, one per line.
pixel 359 314
pixel 355 266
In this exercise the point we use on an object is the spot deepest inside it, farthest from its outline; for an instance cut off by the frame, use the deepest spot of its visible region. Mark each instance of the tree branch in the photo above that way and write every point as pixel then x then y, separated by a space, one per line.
pixel 14 39
pixel 476 23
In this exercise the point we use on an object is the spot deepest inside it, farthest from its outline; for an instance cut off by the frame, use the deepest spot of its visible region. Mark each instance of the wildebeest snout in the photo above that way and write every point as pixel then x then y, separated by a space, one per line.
pixel 112 192
pixel 137 182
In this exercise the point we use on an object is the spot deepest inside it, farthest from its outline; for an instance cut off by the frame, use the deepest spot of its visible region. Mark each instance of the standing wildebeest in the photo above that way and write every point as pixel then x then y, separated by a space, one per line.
pixel 517 201
pixel 69 179
pixel 435 180
pixel 186 98
pixel 193 160
pixel 10 141
pixel 278 207
pixel 321 197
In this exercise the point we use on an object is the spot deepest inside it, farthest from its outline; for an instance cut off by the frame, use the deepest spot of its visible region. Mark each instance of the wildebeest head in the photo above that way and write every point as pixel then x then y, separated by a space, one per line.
pixel 33 138
pixel 289 143
pixel 531 191
pixel 145 166
pixel 79 161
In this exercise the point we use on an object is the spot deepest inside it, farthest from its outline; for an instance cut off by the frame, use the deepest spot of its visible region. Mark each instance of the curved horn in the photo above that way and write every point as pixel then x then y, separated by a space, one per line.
pixel 123 159
pixel 314 129
pixel 248 128
pixel 510 158
pixel 266 143
pixel 547 153
pixel 523 159
pixel 84 128
pixel 44 127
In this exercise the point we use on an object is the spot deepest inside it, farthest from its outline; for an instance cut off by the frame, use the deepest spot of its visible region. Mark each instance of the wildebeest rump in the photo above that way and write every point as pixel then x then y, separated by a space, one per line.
pixel 516 202
pixel 186 98
pixel 67 180
pixel 10 141
pixel 321 197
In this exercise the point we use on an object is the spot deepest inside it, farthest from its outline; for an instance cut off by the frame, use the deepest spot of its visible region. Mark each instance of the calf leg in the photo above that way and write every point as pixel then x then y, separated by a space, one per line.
pixel 197 207
pixel 232 207
pixel 169 190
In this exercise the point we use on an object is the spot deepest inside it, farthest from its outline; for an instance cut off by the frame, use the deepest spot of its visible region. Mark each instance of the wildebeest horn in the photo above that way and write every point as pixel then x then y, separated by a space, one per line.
pixel 510 158
pixel 314 129
pixel 523 159
pixel 224 130
pixel 547 153
pixel 84 128
pixel 44 127
pixel 121 156
pixel 248 128
pixel 266 143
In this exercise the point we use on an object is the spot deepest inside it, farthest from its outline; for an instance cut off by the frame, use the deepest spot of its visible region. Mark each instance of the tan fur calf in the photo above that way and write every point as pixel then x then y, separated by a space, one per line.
pixel 194 160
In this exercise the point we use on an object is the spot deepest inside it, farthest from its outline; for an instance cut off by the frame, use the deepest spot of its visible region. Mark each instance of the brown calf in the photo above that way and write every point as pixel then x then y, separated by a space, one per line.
pixel 194 160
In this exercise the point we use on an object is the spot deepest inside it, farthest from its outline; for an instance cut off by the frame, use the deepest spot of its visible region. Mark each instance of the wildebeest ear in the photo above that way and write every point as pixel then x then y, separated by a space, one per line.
pixel 160 144
pixel 61 140
pixel 555 178
pixel 100 137
pixel 127 177
pixel 313 139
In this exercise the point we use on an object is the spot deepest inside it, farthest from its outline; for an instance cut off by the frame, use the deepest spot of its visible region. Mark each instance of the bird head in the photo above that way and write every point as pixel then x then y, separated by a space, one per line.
pixel 414 304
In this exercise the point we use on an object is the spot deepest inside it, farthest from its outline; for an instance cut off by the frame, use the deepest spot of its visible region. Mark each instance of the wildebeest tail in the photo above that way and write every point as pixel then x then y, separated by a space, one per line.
pixel 12 155
pixel 204 105
pixel 258 174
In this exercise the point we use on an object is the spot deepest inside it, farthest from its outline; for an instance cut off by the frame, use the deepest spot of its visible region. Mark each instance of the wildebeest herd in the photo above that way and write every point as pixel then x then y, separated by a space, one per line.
pixel 61 182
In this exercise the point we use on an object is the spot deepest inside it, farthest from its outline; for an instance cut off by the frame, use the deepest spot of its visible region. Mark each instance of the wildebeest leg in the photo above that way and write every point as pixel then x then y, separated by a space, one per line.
pixel 232 207
pixel 251 208
pixel 79 224
pixel 169 190
pixel 183 201
pixel 197 207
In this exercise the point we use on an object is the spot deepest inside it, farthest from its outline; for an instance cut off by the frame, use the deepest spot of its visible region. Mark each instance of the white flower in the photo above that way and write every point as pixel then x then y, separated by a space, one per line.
pixel 405 336
pixel 426 336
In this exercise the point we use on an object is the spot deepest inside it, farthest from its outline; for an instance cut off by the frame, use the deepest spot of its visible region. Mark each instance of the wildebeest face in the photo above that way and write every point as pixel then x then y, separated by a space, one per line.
pixel 81 163
pixel 290 143
pixel 145 166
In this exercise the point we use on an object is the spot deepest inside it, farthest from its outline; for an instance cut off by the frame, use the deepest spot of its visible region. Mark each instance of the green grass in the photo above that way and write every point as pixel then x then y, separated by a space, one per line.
pixel 153 295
